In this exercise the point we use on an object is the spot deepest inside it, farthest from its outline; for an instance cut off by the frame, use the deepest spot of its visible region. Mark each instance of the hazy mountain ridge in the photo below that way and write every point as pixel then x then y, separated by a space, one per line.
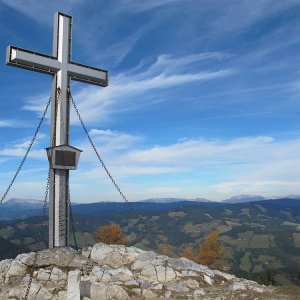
pixel 17 208
pixel 244 199
pixel 172 200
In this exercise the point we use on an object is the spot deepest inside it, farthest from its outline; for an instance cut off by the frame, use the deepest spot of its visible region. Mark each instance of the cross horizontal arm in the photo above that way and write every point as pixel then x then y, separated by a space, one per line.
pixel 88 74
pixel 34 61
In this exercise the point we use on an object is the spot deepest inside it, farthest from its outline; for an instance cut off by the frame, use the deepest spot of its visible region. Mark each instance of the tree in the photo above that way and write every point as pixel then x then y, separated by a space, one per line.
pixel 188 252
pixel 210 252
pixel 268 278
pixel 110 234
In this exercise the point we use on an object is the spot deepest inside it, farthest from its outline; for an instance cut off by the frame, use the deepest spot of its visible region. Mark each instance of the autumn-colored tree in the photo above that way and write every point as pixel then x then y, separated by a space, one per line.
pixel 188 252
pixel 211 251
pixel 110 234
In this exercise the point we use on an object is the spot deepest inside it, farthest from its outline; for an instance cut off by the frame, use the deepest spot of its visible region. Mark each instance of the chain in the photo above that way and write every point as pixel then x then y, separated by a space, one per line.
pixel 114 182
pixel 34 264
pixel 27 151
pixel 39 236
pixel 72 220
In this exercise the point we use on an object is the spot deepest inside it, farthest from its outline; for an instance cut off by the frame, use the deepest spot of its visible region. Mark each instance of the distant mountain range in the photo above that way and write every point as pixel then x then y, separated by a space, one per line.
pixel 251 198
pixel 17 208
pixel 28 203
pixel 173 200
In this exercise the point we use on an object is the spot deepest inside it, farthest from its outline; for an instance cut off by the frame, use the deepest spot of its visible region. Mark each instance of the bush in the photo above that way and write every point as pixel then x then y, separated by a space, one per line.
pixel 110 234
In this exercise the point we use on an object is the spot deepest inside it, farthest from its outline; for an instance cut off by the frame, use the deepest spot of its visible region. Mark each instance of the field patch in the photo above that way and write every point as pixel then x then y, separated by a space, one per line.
pixel 246 211
pixel 296 237
pixel 295 225
pixel 270 262
pixel 227 212
pixel 262 241
pixel 261 208
pixel 245 262
pixel 7 232
pixel 28 240
pixel 176 214
pixel 22 225
pixel 224 228
pixel 196 229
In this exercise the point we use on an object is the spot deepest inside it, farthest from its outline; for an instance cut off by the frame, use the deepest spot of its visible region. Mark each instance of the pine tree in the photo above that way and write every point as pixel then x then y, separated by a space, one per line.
pixel 211 251
pixel 189 253
pixel 110 234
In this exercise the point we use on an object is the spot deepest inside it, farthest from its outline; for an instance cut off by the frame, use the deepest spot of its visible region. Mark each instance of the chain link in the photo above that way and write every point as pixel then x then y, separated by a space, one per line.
pixel 39 236
pixel 50 156
pixel 71 219
pixel 27 152
pixel 152 233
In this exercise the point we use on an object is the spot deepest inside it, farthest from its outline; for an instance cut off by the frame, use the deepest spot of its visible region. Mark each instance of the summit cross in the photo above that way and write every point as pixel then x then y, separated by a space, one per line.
pixel 62 69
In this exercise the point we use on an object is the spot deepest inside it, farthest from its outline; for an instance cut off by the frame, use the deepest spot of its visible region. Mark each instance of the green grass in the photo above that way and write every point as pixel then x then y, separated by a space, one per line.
pixel 7 232
pixel 246 212
pixel 28 240
pixel 258 268
pixel 270 261
pixel 262 241
pixel 246 262
pixel 176 214
pixel 142 246
pixel 296 237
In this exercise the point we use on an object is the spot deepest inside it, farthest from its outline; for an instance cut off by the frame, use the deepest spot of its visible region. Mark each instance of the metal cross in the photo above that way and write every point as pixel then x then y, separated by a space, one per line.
pixel 62 69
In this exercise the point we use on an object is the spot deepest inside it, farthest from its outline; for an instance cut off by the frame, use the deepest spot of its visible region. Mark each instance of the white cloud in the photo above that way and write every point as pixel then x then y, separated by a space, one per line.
pixel 257 159
pixel 125 90
pixel 100 104
pixel 10 123
pixel 19 148
pixel 133 6
pixel 216 167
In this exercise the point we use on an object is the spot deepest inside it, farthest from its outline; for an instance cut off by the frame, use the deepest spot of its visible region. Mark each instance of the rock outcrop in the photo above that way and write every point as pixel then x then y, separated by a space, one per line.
pixel 119 272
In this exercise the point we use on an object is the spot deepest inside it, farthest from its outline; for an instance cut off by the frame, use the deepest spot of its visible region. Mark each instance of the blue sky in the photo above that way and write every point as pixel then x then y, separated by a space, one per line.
pixel 204 97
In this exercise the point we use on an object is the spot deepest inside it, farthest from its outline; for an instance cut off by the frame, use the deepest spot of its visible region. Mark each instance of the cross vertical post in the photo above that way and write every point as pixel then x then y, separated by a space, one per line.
pixel 60 133
pixel 62 69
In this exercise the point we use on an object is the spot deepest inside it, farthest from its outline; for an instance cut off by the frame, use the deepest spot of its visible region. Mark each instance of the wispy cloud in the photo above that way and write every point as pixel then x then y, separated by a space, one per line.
pixel 99 105
pixel 18 149
pixel 10 123
pixel 41 11
pixel 219 167
pixel 133 6
pixel 126 88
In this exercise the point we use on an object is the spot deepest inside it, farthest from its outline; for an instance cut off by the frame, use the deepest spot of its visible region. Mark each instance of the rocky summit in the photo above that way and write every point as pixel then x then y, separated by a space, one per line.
pixel 119 272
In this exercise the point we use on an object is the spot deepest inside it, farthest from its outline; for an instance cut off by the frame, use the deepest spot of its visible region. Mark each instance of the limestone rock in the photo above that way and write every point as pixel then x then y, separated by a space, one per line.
pixel 208 280
pixel 236 286
pixel 4 267
pixel 73 291
pixel 57 275
pixel 198 293
pixel 149 273
pixel 16 269
pixel 110 272
pixel 114 256
pixel 43 294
